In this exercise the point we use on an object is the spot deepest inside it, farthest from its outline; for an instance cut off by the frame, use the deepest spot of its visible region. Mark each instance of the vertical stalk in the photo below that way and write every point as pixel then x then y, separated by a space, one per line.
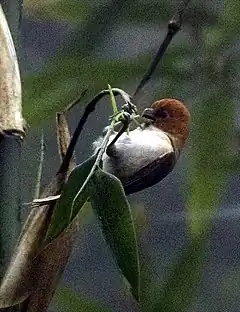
pixel 11 134
pixel 13 12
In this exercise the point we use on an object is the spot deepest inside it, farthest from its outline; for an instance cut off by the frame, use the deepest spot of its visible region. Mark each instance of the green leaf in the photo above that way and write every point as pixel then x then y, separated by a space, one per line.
pixel 113 210
pixel 185 277
pixel 62 210
pixel 66 76
pixel 67 300
pixel 72 11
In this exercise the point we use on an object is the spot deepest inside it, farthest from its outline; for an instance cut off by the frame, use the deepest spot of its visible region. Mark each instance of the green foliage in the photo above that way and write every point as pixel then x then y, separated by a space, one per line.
pixel 210 146
pixel 199 70
pixel 71 11
pixel 48 92
pixel 106 194
pixel 108 199
pixel 65 300
pixel 63 213
pixel 113 210
pixel 176 294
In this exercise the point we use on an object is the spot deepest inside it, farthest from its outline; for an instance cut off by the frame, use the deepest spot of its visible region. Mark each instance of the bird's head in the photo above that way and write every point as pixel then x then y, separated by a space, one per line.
pixel 171 116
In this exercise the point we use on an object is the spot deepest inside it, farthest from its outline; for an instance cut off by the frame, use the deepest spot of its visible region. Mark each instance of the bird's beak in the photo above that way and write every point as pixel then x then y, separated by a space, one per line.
pixel 149 114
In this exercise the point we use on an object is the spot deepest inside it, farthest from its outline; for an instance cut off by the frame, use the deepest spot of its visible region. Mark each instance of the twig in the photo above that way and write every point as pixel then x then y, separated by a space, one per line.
pixel 113 101
pixel 76 101
pixel 63 137
pixel 96 164
pixel 115 119
pixel 88 110
pixel 174 26
pixel 40 168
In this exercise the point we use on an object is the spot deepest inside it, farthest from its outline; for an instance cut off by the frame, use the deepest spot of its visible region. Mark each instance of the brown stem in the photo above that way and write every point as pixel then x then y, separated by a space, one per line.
pixel 174 26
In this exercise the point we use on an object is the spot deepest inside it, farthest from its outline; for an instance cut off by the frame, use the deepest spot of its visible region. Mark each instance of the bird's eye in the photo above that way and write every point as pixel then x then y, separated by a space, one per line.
pixel 162 113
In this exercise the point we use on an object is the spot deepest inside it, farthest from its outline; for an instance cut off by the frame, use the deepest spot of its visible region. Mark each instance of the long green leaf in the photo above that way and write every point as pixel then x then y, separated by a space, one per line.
pixel 184 279
pixel 63 79
pixel 113 210
pixel 67 300
pixel 63 208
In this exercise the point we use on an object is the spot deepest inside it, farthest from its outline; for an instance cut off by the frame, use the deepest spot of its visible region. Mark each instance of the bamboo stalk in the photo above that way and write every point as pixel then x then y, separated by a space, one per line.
pixel 11 135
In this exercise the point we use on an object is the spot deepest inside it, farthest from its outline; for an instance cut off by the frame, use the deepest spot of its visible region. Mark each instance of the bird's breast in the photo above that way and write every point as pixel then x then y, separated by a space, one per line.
pixel 134 151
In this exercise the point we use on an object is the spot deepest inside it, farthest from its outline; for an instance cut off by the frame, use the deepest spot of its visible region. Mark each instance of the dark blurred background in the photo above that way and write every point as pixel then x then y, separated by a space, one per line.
pixel 67 46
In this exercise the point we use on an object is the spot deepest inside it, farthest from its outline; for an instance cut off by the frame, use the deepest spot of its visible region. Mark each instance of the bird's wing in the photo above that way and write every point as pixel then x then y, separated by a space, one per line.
pixel 150 174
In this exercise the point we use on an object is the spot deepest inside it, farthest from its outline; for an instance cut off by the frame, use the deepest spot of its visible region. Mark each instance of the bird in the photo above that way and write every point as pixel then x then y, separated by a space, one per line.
pixel 146 155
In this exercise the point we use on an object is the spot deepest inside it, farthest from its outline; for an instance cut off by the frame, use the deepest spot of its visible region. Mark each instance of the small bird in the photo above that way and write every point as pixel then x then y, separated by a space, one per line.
pixel 146 155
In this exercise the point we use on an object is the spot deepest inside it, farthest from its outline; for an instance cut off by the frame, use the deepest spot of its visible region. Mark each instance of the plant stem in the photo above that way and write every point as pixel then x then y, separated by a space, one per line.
pixel 113 101
pixel 10 147
pixel 104 142
pixel 40 167
pixel 174 26
pixel 96 164
pixel 11 134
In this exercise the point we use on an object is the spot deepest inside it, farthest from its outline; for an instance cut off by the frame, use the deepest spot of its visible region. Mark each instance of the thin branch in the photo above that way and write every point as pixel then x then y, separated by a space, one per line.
pixel 96 164
pixel 114 119
pixel 76 101
pixel 63 138
pixel 50 198
pixel 174 26
pixel 88 110
pixel 40 167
